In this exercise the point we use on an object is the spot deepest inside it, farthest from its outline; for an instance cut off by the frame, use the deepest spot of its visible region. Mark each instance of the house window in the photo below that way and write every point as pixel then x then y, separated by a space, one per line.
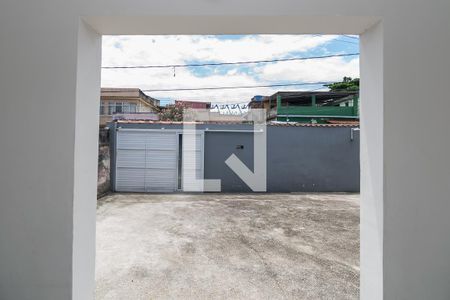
pixel 129 107
pixel 111 108
pixel 117 108
pixel 125 107
pixel 114 107
pixel 102 108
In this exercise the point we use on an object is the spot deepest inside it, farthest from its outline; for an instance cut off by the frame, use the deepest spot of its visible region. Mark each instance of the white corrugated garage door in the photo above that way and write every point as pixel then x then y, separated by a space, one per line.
pixel 146 161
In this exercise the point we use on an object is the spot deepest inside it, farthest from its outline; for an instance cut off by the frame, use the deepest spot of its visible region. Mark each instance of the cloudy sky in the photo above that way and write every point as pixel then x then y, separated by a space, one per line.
pixel 169 50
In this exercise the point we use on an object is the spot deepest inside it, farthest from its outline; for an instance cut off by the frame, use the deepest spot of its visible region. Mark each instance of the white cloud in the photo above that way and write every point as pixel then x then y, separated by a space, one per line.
pixel 136 50
pixel 328 69
pixel 162 50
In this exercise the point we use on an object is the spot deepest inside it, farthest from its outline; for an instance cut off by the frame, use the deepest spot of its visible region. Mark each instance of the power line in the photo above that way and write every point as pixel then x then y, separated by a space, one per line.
pixel 239 87
pixel 230 63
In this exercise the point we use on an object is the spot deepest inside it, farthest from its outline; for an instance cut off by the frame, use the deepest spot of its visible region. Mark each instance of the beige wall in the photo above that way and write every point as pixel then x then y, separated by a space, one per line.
pixel 142 106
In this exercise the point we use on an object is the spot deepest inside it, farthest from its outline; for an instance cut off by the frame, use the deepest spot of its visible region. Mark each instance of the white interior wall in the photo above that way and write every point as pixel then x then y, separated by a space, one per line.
pixel 371 156
pixel 416 148
pixel 37 125
pixel 86 161
pixel 47 204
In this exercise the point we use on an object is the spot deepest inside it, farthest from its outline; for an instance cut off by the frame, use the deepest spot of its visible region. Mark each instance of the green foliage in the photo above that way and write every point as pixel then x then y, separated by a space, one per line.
pixel 173 112
pixel 347 84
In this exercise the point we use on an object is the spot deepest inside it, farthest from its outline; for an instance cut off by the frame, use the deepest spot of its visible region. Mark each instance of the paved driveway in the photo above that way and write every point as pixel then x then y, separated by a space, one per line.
pixel 228 246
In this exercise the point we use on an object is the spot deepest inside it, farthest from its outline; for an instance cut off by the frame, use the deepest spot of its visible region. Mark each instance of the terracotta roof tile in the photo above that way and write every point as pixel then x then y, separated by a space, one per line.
pixel 279 124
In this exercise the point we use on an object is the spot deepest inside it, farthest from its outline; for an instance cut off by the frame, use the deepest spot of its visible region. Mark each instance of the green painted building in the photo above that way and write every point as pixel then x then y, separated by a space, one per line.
pixel 310 107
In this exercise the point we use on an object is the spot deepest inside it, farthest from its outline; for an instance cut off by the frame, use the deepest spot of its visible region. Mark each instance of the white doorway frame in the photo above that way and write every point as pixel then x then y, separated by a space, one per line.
pixel 371 62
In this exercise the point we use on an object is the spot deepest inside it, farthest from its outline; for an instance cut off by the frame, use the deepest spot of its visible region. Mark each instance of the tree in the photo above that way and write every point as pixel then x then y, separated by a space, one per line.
pixel 347 84
pixel 173 112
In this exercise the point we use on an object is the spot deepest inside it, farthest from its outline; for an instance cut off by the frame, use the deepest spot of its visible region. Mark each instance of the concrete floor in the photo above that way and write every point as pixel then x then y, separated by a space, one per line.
pixel 228 246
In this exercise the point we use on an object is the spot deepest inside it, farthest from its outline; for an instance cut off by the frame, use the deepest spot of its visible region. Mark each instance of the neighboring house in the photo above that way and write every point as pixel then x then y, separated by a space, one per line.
pixel 194 104
pixel 124 101
pixel 309 107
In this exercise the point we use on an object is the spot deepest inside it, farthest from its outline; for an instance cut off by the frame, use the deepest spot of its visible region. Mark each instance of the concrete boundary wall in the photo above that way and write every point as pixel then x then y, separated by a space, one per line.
pixel 300 159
